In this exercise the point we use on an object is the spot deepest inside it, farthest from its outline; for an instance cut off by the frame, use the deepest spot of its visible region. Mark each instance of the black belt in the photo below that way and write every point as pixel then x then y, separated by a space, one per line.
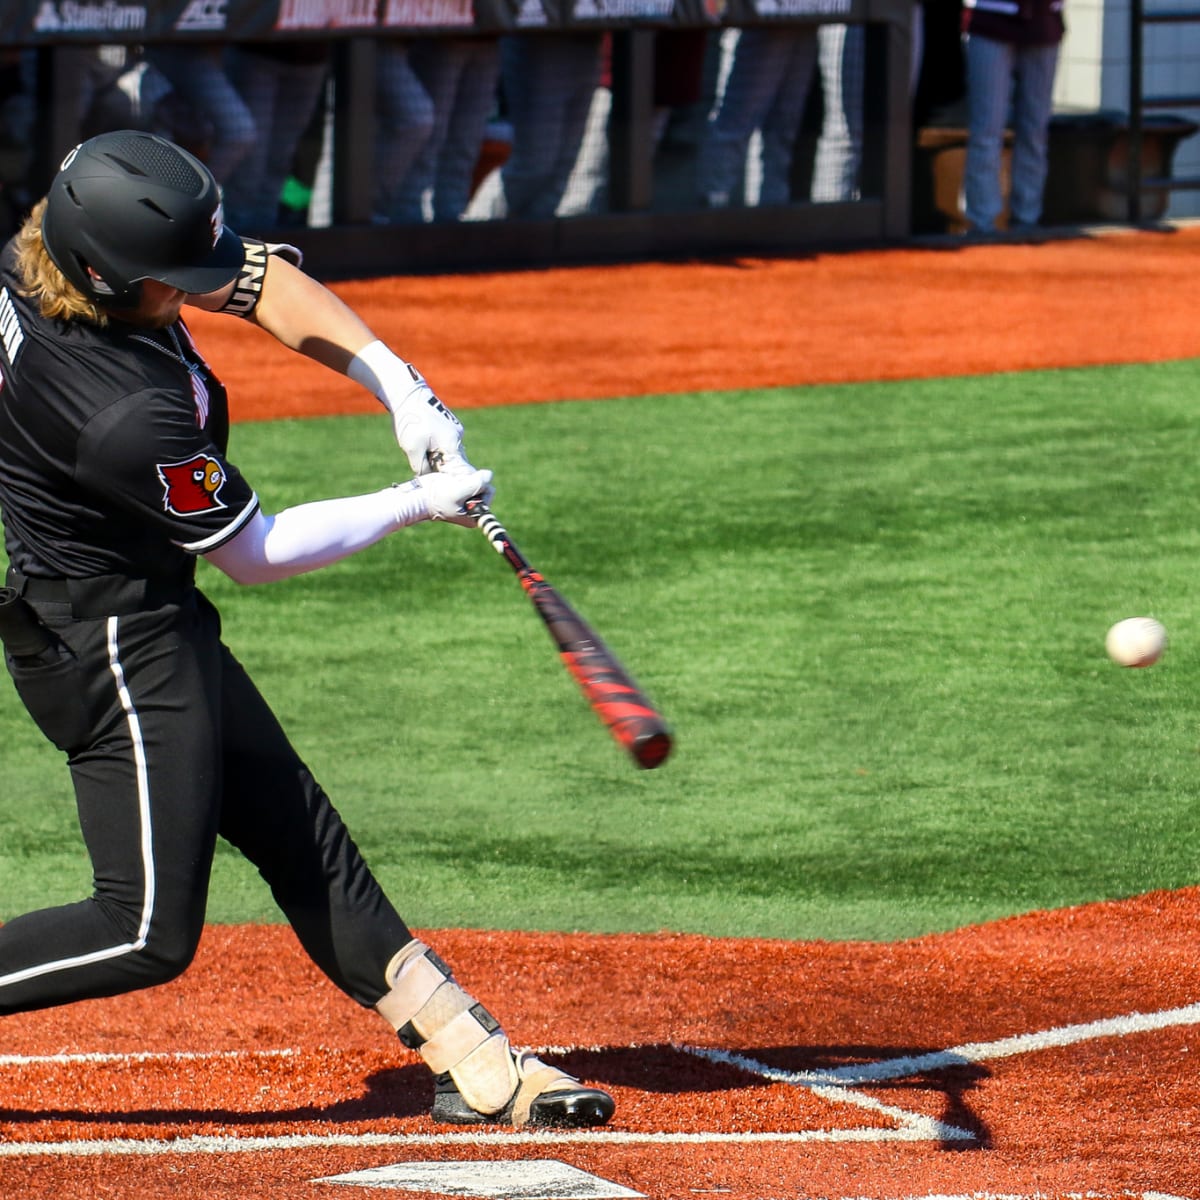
pixel 101 595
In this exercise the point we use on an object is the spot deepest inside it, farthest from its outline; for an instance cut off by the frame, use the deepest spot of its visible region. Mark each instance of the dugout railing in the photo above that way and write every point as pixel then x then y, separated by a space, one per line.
pixel 631 227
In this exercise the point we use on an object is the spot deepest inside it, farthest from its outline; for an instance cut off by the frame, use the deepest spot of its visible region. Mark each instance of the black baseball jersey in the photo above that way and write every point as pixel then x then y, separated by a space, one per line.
pixel 112 446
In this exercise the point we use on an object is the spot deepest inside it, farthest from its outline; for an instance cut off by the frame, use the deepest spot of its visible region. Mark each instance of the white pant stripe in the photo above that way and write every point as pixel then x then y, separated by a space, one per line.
pixel 147 840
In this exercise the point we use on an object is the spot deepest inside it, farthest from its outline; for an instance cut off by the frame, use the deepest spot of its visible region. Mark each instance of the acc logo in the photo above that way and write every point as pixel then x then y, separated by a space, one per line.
pixel 192 487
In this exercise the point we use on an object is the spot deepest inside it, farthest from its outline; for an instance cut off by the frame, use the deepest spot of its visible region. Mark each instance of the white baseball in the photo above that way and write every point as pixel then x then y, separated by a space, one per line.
pixel 1136 642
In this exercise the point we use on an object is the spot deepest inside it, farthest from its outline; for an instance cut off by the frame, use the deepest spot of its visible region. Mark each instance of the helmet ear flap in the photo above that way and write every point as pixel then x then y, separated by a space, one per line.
pixel 86 273
pixel 129 296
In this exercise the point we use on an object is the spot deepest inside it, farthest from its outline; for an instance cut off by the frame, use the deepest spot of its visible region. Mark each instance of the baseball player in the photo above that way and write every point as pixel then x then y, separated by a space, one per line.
pixel 114 478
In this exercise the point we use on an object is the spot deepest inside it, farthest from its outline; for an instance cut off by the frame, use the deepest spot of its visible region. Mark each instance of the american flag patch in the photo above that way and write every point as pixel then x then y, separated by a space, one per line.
pixel 199 395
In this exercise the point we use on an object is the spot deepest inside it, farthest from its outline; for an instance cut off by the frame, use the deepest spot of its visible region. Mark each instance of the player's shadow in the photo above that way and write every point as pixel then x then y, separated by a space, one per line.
pixel 673 1070
pixel 406 1092
pixel 401 1092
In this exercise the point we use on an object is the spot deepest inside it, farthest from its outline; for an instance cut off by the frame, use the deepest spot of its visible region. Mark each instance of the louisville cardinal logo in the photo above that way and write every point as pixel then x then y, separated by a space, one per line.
pixel 193 486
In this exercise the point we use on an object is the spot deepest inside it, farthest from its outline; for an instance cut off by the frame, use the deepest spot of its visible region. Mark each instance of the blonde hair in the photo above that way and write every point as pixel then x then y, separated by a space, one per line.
pixel 57 297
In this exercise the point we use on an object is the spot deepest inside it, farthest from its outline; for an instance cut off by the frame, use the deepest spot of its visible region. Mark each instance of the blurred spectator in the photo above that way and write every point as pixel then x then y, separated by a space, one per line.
pixel 548 82
pixel 766 87
pixel 281 84
pixel 16 136
pixel 678 73
pixel 684 82
pixel 1012 58
pixel 763 85
pixel 296 200
pixel 404 117
pixel 459 76
pixel 586 188
pixel 134 94
pixel 841 60
pixel 678 82
pixel 197 73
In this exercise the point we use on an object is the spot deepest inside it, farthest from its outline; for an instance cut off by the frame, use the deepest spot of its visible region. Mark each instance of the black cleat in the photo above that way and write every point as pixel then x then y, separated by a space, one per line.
pixel 563 1103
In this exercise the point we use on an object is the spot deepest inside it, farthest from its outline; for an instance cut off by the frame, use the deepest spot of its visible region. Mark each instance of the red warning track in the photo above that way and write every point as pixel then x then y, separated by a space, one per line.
pixel 1046 1055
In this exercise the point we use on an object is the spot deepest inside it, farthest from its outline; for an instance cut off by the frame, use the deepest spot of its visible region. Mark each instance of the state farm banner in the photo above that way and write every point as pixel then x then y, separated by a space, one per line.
pixel 48 22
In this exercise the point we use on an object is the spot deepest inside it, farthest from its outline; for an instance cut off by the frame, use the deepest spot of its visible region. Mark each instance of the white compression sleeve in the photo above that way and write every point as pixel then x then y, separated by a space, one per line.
pixel 314 535
pixel 385 374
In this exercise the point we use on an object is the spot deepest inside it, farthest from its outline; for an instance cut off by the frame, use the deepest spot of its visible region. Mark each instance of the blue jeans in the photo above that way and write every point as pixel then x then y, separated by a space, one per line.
pixel 1000 77
pixel 766 90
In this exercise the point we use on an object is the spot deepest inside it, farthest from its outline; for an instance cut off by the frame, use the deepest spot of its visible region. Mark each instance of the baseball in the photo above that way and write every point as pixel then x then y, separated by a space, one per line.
pixel 1136 642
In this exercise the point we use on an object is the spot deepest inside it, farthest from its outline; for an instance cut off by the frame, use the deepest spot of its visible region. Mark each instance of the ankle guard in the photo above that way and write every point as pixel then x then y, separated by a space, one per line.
pixel 450 1030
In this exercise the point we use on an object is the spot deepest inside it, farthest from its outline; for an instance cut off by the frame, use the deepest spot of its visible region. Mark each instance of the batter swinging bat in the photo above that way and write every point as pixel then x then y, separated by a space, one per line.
pixel 632 720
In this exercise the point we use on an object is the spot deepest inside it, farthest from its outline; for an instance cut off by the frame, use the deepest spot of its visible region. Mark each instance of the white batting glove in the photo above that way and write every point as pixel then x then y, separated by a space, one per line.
pixel 427 431
pixel 445 495
pixel 430 435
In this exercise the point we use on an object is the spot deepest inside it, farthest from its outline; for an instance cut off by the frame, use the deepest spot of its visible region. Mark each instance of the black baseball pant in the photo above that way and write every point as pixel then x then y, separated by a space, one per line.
pixel 170 745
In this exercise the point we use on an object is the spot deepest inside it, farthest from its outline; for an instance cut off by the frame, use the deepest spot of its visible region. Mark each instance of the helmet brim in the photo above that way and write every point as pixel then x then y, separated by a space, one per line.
pixel 221 267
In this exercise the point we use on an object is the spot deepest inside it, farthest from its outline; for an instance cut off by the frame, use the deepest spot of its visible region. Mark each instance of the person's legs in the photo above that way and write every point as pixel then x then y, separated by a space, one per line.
pixel 533 95
pixel 586 186
pixel 782 121
pixel 1032 103
pixel 760 62
pixel 842 59
pixel 138 719
pixel 437 63
pixel 404 119
pixel 989 87
pixel 250 206
pixel 548 84
pixel 475 99
pixel 197 75
pixel 276 814
pixel 299 87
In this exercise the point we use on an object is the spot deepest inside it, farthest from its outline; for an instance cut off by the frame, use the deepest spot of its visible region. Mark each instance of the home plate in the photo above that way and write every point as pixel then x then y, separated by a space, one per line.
pixel 539 1179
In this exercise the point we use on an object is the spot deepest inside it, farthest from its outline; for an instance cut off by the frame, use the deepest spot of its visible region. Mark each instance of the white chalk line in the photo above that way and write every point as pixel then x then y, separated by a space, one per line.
pixel 139 1056
pixel 837 1085
pixel 305 1141
pixel 975 1052
pixel 910 1126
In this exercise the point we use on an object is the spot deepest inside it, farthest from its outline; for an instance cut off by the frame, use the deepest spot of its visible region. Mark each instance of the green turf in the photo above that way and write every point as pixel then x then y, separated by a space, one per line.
pixel 874 614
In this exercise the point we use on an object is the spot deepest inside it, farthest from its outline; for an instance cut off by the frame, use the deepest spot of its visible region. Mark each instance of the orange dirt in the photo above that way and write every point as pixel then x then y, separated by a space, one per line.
pixel 282 1056
pixel 1049 1055
pixel 584 333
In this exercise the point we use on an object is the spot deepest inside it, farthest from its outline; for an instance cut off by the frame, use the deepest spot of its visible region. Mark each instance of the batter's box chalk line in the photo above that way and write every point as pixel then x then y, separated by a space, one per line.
pixel 839 1085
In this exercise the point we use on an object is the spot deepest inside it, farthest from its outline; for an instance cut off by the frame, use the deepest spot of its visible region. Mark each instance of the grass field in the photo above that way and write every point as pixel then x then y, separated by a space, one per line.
pixel 874 614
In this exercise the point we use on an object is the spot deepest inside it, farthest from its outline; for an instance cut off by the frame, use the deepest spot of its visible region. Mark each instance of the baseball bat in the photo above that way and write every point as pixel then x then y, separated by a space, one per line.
pixel 616 699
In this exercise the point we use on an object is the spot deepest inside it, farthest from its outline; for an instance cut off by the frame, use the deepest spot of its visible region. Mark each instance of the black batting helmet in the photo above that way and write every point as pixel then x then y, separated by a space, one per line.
pixel 132 206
